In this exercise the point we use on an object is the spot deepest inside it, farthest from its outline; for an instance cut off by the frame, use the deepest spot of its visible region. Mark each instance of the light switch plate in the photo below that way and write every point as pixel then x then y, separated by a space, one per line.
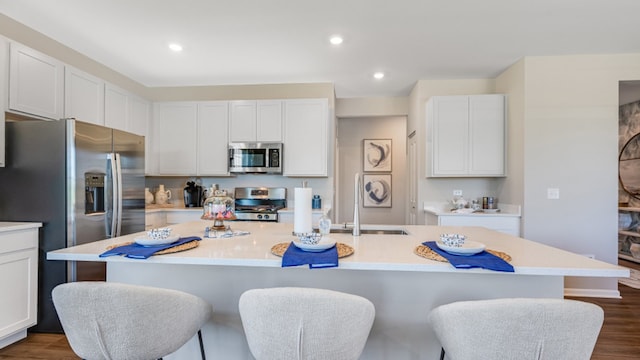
pixel 553 193
pixel 457 192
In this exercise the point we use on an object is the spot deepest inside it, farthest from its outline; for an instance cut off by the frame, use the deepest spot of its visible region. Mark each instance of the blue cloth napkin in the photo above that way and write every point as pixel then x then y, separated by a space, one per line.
pixel 137 251
pixel 483 259
pixel 295 256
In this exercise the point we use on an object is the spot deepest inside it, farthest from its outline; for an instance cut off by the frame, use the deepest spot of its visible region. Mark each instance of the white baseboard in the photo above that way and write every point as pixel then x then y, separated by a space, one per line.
pixel 598 293
pixel 10 339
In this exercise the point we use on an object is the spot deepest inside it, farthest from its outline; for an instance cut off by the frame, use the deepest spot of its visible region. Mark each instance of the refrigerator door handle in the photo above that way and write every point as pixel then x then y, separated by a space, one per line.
pixel 111 232
pixel 119 195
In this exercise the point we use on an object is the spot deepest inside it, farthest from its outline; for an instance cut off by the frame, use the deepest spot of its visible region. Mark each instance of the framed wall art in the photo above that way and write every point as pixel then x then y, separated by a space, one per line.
pixel 376 190
pixel 377 155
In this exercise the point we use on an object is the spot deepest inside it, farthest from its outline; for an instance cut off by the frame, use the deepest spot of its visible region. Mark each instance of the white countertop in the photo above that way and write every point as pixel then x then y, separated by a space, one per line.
pixel 13 226
pixel 444 209
pixel 372 252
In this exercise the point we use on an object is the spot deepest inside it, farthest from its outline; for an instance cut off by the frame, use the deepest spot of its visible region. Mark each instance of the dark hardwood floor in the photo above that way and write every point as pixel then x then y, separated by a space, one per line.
pixel 619 338
pixel 620 335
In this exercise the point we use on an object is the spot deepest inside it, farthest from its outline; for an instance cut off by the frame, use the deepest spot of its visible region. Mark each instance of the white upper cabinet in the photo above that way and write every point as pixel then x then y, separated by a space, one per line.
pixel 83 96
pixel 306 126
pixel 466 136
pixel 116 107
pixel 255 120
pixel 125 111
pixel 269 121
pixel 242 123
pixel 36 83
pixel 212 138
pixel 4 88
pixel 174 140
pixel 138 116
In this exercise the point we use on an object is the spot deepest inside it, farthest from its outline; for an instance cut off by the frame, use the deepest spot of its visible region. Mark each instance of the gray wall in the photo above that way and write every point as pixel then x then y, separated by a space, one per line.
pixel 351 132
pixel 568 111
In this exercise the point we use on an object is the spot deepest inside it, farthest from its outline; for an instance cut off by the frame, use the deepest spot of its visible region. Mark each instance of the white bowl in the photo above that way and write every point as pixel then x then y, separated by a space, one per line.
pixel 452 240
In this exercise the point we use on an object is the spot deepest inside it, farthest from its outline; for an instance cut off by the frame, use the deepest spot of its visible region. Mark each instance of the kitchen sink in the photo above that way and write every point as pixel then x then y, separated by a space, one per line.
pixel 370 231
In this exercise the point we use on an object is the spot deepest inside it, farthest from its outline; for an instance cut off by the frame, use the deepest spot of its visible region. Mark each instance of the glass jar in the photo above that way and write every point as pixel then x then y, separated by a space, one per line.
pixel 219 206
pixel 324 224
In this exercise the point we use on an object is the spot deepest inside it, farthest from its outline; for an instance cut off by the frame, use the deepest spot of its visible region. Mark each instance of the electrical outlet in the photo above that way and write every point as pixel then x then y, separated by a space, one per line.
pixel 457 192
pixel 553 193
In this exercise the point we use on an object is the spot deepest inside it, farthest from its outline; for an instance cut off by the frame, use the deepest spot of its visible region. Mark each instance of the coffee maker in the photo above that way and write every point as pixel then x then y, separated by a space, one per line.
pixel 193 195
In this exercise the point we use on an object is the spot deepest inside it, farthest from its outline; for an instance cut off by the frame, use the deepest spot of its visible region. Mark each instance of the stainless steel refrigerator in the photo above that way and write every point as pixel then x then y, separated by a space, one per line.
pixel 84 182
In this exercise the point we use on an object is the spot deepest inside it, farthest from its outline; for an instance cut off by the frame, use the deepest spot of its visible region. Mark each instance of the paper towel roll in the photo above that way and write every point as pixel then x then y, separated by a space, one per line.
pixel 302 211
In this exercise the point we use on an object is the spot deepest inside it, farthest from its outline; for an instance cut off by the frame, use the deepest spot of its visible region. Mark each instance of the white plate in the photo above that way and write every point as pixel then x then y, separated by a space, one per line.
pixel 324 244
pixel 145 241
pixel 468 248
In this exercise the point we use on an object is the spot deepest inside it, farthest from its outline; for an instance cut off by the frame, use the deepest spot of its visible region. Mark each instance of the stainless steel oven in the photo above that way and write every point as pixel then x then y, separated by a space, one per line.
pixel 259 203
pixel 255 157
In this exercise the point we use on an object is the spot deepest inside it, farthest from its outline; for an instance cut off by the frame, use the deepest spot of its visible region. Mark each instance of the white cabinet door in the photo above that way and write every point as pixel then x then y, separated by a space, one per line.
pixel 125 110
pixel 18 280
pixel 182 216
pixel 486 135
pixel 83 96
pixel 213 120
pixel 450 126
pixel 505 224
pixel 116 107
pixel 269 121
pixel 305 132
pixel 4 95
pixel 242 121
pixel 154 220
pixel 138 119
pixel 36 83
pixel 255 120
pixel 174 140
pixel 466 136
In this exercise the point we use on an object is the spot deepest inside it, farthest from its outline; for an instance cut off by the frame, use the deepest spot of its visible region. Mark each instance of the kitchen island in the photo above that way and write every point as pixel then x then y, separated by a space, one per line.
pixel 403 286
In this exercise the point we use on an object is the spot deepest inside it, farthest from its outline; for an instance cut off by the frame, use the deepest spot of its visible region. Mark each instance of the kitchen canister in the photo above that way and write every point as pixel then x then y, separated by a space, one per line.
pixel 488 202
pixel 316 202
pixel 162 195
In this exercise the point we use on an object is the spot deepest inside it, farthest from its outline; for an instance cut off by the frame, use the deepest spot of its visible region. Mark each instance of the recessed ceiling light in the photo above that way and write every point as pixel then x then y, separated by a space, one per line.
pixel 336 40
pixel 175 47
pixel 379 75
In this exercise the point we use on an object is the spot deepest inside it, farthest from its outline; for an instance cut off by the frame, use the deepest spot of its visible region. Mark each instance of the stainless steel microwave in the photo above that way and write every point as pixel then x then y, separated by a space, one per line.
pixel 255 157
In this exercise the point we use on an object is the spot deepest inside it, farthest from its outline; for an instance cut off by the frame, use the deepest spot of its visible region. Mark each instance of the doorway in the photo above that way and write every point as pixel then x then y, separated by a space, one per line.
pixel 352 133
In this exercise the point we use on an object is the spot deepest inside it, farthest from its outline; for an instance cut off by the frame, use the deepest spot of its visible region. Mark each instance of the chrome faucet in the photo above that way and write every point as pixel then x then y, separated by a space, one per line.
pixel 356 205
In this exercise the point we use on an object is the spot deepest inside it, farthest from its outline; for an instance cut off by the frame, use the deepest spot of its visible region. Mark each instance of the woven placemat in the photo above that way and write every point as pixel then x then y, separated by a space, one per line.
pixel 426 252
pixel 343 249
pixel 171 250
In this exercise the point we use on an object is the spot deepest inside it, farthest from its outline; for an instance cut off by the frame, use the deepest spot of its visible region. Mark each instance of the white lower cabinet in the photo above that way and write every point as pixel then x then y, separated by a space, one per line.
pixel 506 224
pixel 4 87
pixel 18 281
pixel 286 216
pixel 181 216
pixel 154 220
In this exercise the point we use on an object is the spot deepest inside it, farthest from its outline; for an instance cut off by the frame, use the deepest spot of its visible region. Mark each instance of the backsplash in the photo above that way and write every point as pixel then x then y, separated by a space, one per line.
pixel 176 184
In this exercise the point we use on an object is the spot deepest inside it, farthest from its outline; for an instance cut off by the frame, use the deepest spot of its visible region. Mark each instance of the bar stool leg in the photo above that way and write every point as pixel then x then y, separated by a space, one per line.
pixel 201 345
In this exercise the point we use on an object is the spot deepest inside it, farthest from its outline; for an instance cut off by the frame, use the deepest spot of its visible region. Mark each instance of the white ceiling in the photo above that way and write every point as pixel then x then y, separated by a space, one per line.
pixel 286 41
